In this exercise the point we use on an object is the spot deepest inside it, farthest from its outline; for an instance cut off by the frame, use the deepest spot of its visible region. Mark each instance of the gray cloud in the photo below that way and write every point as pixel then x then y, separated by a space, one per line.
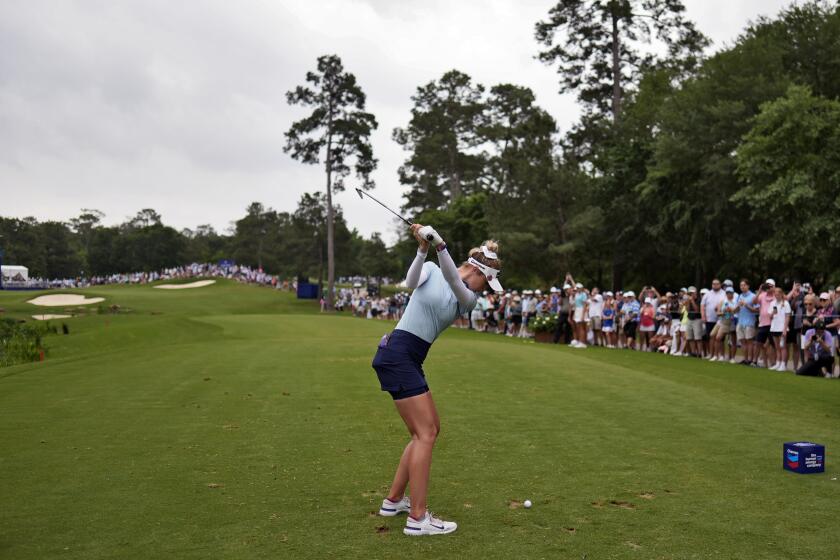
pixel 180 106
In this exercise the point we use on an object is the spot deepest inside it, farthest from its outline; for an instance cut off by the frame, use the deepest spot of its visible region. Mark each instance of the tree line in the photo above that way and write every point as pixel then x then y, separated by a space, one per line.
pixel 681 167
pixel 289 244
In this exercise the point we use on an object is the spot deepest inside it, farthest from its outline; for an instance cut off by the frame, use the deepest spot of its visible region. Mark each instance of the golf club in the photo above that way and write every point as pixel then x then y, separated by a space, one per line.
pixel 363 194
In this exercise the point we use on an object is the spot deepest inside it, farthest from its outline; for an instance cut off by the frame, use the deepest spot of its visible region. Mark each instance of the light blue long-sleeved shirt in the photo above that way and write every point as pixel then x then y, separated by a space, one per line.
pixel 433 305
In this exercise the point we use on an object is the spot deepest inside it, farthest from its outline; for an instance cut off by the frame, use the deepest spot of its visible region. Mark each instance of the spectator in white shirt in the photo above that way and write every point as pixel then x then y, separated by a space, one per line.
pixel 779 315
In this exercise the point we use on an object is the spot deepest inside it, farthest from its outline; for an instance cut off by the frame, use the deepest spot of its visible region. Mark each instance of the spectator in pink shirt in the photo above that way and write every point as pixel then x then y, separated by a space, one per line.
pixel 766 296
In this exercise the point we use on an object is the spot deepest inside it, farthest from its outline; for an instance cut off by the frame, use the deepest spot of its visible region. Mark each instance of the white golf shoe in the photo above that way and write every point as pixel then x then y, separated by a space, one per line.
pixel 390 509
pixel 429 525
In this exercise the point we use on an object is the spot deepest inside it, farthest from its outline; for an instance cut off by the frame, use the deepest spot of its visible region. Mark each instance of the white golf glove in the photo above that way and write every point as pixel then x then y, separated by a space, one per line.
pixel 429 234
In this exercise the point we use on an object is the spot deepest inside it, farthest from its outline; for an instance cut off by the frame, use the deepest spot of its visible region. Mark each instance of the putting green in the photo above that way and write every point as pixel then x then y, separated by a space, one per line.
pixel 237 422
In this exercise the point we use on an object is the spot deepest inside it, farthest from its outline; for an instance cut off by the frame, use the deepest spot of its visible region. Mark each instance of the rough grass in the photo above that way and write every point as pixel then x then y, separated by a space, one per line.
pixel 235 422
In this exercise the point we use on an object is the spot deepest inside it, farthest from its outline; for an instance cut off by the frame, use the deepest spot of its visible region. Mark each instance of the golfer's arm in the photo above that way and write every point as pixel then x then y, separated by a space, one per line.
pixel 450 273
pixel 416 274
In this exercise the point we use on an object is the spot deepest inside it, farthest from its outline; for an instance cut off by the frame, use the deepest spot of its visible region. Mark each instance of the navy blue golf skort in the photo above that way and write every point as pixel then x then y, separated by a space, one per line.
pixel 399 364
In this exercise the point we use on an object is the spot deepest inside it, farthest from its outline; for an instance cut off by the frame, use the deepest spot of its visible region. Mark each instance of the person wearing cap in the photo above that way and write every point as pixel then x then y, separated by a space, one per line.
pixel 731 338
pixel 441 293
pixel 819 351
pixel 661 340
pixel 694 327
pixel 528 308
pixel 579 303
pixel 723 325
pixel 779 316
pixel 747 311
pixel 554 301
pixel 708 311
pixel 564 327
pixel 765 354
pixel 630 316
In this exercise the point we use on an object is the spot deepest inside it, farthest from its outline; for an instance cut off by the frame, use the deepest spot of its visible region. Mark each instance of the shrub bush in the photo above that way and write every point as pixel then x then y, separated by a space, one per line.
pixel 20 342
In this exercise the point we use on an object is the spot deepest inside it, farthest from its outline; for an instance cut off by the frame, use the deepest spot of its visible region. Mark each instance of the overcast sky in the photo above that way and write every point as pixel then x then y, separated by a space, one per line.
pixel 180 106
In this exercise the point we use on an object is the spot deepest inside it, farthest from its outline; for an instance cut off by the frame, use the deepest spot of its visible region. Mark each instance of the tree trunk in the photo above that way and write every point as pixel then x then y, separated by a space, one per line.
pixel 320 268
pixel 455 189
pixel 561 231
pixel 330 228
pixel 617 268
pixel 616 70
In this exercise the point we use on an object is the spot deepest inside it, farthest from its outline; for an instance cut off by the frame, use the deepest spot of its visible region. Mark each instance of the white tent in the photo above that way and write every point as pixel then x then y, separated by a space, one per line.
pixel 14 273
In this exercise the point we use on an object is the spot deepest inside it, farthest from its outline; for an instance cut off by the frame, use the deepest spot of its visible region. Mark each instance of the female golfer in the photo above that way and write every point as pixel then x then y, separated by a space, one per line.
pixel 440 295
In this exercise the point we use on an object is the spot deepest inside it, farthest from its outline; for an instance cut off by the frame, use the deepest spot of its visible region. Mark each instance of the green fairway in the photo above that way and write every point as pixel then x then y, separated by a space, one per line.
pixel 237 422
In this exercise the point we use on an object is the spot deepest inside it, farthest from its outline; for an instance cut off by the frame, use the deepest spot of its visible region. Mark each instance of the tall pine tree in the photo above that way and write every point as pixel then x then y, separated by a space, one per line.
pixel 338 129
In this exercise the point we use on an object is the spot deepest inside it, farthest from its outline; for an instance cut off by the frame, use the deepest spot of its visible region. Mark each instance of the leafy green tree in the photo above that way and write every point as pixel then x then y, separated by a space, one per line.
pixel 599 48
pixel 63 259
pixel 23 243
pixel 692 175
pixel 83 225
pixel 442 139
pixel 146 248
pixel 790 164
pixel 375 259
pixel 596 45
pixel 102 254
pixel 204 244
pixel 145 218
pixel 521 136
pixel 340 128
pixel 255 234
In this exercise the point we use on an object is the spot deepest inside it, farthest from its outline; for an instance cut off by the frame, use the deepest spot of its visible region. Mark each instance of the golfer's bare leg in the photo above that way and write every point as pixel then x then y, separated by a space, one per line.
pixel 401 477
pixel 420 415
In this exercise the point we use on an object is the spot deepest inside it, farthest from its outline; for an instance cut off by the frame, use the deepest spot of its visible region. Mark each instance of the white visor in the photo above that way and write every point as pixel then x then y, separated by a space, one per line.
pixel 490 273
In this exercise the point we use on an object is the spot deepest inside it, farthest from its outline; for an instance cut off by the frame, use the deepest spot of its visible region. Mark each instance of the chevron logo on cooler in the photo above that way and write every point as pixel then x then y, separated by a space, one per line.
pixel 792 458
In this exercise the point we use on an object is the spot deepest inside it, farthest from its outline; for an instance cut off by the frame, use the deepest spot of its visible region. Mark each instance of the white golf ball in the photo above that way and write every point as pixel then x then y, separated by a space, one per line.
pixel 527 503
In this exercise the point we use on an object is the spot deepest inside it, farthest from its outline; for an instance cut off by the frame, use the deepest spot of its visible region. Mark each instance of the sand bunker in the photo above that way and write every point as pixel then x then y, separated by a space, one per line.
pixel 197 284
pixel 59 300
pixel 48 317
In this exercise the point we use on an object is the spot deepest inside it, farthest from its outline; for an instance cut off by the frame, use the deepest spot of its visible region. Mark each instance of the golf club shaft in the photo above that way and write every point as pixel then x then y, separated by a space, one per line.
pixel 363 193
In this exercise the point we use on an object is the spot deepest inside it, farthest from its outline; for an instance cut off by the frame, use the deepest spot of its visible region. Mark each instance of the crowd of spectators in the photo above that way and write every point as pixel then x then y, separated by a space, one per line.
pixel 793 329
pixel 363 304
pixel 240 273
